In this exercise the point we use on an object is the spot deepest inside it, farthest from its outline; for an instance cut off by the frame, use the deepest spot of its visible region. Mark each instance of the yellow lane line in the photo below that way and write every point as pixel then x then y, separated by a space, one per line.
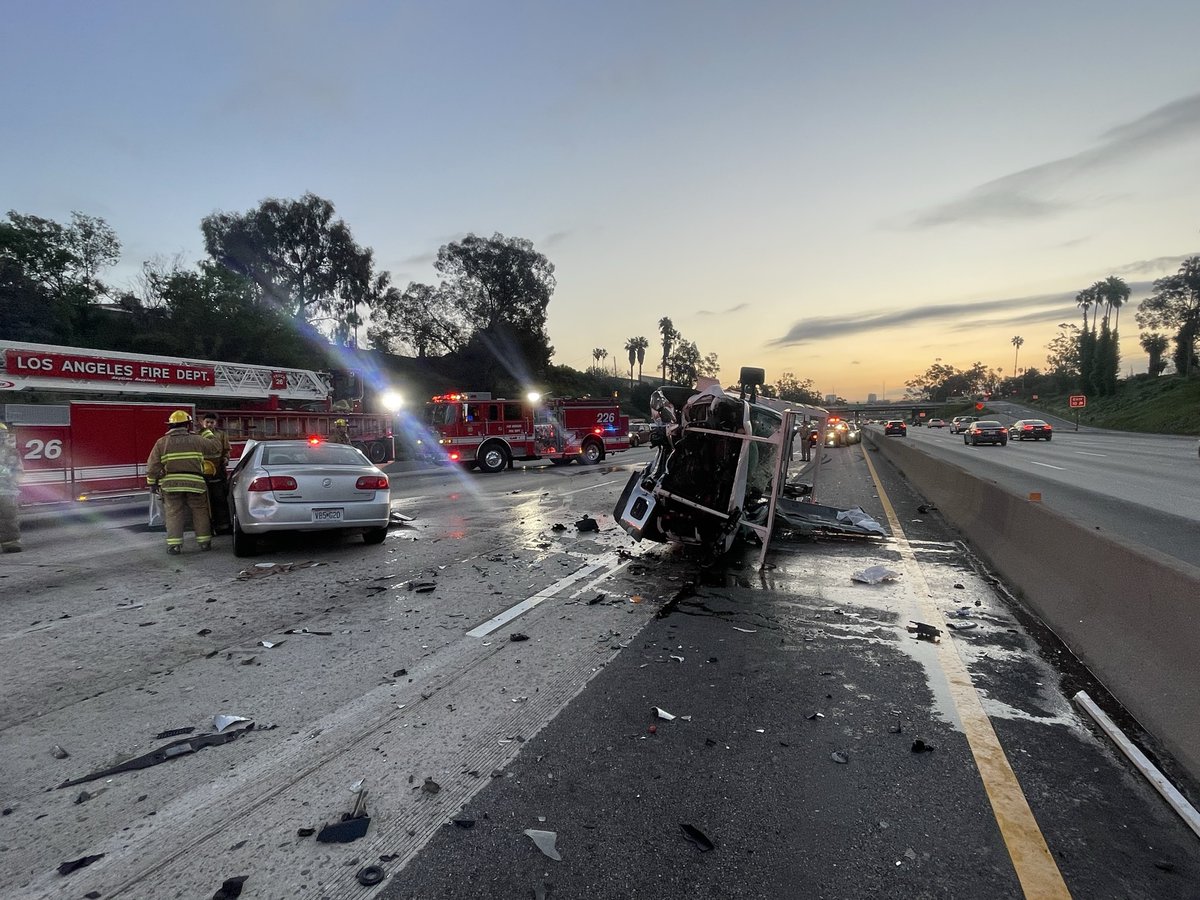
pixel 1036 869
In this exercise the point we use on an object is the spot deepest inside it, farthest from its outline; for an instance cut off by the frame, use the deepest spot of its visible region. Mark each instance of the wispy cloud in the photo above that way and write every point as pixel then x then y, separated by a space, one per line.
pixel 1033 193
pixel 1036 309
pixel 723 312
pixel 1159 266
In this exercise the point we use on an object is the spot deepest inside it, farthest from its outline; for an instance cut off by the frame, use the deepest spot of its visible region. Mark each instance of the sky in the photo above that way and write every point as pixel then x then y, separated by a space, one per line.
pixel 849 192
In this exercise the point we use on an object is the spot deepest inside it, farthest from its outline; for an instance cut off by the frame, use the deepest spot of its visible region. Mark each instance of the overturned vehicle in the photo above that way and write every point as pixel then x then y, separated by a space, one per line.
pixel 724 467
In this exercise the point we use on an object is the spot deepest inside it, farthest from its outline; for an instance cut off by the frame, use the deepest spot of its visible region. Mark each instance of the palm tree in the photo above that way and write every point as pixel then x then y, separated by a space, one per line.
pixel 1084 300
pixel 1017 341
pixel 1116 294
pixel 631 349
pixel 642 344
pixel 667 329
pixel 598 353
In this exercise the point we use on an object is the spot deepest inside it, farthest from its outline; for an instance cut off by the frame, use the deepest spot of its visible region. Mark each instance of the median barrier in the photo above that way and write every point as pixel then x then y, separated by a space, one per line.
pixel 1130 613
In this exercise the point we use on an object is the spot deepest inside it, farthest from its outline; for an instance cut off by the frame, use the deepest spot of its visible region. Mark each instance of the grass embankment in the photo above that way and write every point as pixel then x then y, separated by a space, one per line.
pixel 1165 405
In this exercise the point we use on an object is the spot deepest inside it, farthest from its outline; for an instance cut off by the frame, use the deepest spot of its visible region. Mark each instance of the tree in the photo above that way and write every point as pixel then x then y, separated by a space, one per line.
pixel 502 288
pixel 1063 356
pixel 709 366
pixel 1115 292
pixel 1175 306
pixel 1156 346
pixel 301 259
pixel 598 354
pixel 417 318
pixel 57 270
pixel 636 348
pixel 670 337
pixel 1017 341
pixel 792 389
pixel 684 364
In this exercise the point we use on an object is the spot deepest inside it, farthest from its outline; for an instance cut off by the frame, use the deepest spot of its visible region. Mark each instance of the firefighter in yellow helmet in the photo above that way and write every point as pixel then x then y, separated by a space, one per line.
pixel 10 477
pixel 215 469
pixel 176 469
pixel 340 433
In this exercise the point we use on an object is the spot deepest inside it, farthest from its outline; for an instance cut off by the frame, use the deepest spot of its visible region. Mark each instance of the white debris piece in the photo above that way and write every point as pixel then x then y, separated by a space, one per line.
pixel 874 575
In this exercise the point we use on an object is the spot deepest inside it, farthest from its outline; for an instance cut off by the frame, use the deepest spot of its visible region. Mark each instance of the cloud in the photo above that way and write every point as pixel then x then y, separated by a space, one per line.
pixel 723 312
pixel 1030 193
pixel 1159 266
pixel 1032 310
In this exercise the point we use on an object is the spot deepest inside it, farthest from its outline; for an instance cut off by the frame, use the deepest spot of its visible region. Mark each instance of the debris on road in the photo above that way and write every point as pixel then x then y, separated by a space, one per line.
pixel 962 626
pixel 544 840
pixel 58 752
pixel 919 746
pixel 464 823
pixel 697 837
pixel 352 826
pixel 746 630
pixel 370 875
pixel 221 722
pixel 174 732
pixel 162 754
pixel 518 636
pixel 68 867
pixel 422 587
pixel 597 599
pixel 430 786
pixel 587 523
pixel 231 888
pixel 558 526
pixel 815 715
pixel 305 832
pixel 270 645
pixel 262 570
pixel 307 631
pixel 663 714
pixel 925 632
pixel 840 756
pixel 874 575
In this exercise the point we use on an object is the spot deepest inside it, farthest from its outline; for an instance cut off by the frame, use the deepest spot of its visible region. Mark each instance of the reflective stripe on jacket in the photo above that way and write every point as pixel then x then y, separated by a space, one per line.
pixel 176 463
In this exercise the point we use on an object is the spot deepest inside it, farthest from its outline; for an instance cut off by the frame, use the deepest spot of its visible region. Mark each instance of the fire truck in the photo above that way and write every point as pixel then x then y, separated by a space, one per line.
pixel 475 430
pixel 87 449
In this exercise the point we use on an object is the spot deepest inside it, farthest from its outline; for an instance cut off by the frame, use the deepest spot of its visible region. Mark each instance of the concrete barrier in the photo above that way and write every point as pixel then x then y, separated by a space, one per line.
pixel 1130 613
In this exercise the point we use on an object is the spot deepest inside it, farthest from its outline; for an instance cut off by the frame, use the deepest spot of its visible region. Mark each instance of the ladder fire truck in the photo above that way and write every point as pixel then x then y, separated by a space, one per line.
pixel 475 430
pixel 87 449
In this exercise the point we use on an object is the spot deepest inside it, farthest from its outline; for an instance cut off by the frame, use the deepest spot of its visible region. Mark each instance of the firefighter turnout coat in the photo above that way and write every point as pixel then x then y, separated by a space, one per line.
pixel 176 464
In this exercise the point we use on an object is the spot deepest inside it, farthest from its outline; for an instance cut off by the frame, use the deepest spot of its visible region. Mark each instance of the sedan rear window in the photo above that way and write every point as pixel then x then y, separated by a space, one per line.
pixel 314 455
pixel 988 424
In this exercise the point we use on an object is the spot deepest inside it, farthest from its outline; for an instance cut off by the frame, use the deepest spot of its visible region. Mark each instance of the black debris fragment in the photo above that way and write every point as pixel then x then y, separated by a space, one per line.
pixel 919 746
pixel 174 732
pixel 430 786
pixel 424 587
pixel 83 797
pixel 697 837
pixel 464 823
pixel 369 875
pixel 230 888
pixel 841 757
pixel 518 636
pixel 925 632
pixel 93 895
pixel 344 832
pixel 587 523
pixel 558 526
pixel 307 631
pixel 925 507
pixel 599 598
pixel 305 832
pixel 388 857
pixel 204 632
pixel 72 865
pixel 163 753
pixel 895 729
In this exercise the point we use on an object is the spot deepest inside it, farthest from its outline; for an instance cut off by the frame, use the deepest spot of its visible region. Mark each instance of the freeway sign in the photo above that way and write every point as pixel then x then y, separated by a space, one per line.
pixel 1077 400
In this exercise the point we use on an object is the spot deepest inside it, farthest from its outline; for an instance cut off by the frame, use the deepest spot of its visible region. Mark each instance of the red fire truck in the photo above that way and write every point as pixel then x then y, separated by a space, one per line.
pixel 475 430
pixel 86 449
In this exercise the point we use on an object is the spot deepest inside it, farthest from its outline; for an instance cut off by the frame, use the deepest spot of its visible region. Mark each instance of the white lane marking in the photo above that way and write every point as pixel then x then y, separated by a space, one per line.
pixel 486 628
pixel 1048 466
pixel 1086 453
pixel 595 582
pixel 591 488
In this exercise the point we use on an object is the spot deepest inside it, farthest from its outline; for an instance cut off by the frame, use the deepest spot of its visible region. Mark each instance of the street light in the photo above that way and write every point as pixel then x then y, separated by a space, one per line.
pixel 391 401
pixel 533 396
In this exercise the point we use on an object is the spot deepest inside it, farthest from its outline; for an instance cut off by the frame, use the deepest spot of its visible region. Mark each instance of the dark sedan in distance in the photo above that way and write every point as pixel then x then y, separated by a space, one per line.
pixel 985 431
pixel 1030 429
pixel 895 426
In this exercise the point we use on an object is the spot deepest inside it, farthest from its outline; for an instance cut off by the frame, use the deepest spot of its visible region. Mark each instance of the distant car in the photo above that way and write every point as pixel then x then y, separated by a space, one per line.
pixel 895 426
pixel 959 424
pixel 937 423
pixel 1030 429
pixel 985 431
pixel 312 485
pixel 639 433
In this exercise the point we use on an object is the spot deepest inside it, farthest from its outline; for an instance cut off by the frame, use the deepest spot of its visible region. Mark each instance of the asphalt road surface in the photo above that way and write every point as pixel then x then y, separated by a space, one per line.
pixel 465 737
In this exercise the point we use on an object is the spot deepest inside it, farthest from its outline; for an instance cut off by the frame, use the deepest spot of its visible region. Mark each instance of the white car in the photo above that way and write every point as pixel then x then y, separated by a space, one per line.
pixel 306 486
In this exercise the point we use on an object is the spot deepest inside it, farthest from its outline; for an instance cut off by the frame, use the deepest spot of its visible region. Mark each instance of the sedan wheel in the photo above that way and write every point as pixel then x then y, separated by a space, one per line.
pixel 243 544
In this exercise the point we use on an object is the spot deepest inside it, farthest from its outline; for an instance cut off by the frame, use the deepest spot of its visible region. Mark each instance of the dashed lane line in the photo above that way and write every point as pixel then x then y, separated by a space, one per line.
pixel 1036 870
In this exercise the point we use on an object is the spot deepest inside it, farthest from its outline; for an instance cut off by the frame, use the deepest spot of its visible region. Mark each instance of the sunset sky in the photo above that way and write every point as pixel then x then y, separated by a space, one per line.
pixel 846 191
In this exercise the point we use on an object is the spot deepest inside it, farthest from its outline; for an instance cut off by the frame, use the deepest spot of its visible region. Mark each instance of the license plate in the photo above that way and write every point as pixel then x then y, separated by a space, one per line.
pixel 327 515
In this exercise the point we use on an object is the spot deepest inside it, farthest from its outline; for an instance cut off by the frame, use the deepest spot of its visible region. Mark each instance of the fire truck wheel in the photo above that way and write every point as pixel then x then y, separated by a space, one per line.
pixel 492 458
pixel 592 453
pixel 376 451
pixel 243 544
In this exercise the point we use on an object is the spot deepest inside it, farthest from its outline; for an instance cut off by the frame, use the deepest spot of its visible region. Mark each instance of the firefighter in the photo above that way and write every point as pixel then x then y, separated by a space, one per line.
pixel 176 470
pixel 215 469
pixel 10 476
pixel 341 434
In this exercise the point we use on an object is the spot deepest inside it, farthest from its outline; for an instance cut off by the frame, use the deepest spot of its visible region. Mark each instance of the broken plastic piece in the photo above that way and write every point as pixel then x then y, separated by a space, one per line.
pixel 270 645
pixel 306 631
pixel 697 837
pixel 874 575
pixel 58 752
pixel 424 587
pixel 164 753
pixel 815 715
pixel 663 714
pixel 369 875
pixel 545 842
pixel 962 626
pixel 221 722
pixel 174 732
pixel 518 636
pixel 840 756
pixel 68 867
pixel 597 599
pixel 430 786
pixel 305 832
pixel 344 832
pixel 925 632
pixel 746 630
pixel 587 523
pixel 919 746
pixel 231 888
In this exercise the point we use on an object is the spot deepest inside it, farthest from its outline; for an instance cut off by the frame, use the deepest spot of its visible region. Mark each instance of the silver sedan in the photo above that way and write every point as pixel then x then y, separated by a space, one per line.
pixel 306 486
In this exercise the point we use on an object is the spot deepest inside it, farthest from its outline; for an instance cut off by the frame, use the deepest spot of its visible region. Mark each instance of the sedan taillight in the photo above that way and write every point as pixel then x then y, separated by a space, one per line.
pixel 272 483
pixel 372 483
